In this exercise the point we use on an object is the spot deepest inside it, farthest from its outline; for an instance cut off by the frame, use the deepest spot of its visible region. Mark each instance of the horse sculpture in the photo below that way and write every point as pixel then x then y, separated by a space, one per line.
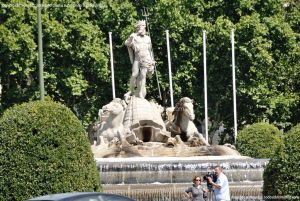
pixel 111 121
pixel 136 129
pixel 182 123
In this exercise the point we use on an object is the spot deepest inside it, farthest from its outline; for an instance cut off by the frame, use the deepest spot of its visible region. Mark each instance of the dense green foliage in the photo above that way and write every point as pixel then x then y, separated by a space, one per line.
pixel 259 140
pixel 76 55
pixel 44 149
pixel 281 177
pixel 75 52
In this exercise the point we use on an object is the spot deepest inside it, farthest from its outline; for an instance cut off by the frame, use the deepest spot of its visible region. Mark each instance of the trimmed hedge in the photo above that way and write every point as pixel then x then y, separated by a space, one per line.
pixel 282 175
pixel 43 150
pixel 259 140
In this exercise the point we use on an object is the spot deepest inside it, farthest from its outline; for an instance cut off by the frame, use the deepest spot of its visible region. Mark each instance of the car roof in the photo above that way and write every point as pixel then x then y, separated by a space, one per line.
pixel 61 196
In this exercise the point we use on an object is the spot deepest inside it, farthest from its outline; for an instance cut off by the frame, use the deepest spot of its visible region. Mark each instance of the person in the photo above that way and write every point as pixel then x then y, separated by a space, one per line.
pixel 221 186
pixel 196 192
pixel 141 57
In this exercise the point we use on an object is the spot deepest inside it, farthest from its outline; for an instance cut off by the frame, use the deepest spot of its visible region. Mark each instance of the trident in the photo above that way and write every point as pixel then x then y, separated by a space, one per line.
pixel 146 14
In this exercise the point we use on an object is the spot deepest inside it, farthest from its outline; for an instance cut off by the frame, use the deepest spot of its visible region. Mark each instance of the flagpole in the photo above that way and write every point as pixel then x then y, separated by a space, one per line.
pixel 205 86
pixel 170 71
pixel 112 65
pixel 233 86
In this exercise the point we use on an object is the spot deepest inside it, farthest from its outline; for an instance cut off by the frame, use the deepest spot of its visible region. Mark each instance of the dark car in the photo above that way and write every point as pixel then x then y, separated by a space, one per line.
pixel 82 196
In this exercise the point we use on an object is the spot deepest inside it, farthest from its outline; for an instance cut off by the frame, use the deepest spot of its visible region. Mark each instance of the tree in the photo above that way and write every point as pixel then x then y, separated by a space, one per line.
pixel 44 150
pixel 266 46
pixel 260 140
pixel 76 56
pixel 281 176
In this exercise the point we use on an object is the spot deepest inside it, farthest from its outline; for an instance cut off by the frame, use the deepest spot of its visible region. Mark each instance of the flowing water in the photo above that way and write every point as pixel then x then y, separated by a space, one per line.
pixel 175 192
pixel 165 179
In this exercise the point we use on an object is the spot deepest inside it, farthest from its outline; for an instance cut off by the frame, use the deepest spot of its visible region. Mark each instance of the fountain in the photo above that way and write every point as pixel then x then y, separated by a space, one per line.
pixel 142 156
pixel 166 178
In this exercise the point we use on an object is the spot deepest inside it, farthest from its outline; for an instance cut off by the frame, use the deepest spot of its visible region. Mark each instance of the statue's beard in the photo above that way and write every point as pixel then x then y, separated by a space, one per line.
pixel 142 32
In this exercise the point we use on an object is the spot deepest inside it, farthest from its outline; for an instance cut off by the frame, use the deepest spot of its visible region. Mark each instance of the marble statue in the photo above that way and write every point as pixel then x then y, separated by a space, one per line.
pixel 182 123
pixel 135 127
pixel 141 57
pixel 111 122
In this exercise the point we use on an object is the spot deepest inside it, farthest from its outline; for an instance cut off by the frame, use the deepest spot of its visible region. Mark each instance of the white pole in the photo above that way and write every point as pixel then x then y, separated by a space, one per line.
pixel 112 66
pixel 205 86
pixel 233 86
pixel 169 65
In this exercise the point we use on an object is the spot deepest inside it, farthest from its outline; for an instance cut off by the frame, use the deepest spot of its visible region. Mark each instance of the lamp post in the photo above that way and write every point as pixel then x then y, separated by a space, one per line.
pixel 40 52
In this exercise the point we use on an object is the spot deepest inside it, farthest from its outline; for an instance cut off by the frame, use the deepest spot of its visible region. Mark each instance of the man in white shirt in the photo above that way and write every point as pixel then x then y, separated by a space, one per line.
pixel 221 186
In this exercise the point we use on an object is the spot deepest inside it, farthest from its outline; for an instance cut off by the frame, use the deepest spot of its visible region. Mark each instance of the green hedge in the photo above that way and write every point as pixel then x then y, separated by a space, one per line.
pixel 259 140
pixel 44 149
pixel 282 175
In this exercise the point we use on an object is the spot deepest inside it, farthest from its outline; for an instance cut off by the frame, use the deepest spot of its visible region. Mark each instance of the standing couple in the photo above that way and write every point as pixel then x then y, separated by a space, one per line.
pixel 220 188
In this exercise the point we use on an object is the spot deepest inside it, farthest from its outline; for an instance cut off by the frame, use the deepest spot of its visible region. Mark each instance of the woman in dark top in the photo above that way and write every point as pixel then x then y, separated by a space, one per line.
pixel 196 191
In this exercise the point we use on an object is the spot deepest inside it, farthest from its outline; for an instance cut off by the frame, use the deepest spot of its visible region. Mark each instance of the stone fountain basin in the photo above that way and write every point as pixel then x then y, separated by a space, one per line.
pixel 176 170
